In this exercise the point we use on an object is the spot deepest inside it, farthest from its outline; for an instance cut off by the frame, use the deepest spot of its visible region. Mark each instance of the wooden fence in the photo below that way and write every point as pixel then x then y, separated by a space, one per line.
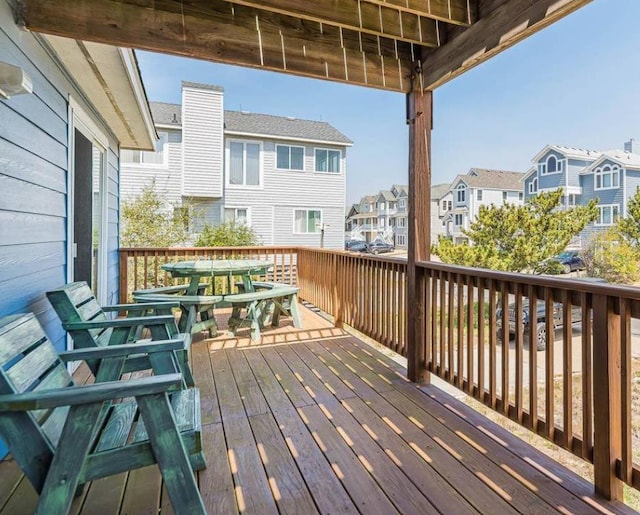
pixel 479 329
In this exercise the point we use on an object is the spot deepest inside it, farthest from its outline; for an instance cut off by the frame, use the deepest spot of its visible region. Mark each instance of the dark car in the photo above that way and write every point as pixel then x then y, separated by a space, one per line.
pixel 570 261
pixel 350 244
pixel 379 246
pixel 358 246
pixel 541 325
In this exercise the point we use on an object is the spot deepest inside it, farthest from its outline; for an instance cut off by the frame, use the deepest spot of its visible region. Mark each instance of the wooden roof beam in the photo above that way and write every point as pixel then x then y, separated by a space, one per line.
pixel 362 16
pixel 508 22
pixel 457 12
pixel 233 36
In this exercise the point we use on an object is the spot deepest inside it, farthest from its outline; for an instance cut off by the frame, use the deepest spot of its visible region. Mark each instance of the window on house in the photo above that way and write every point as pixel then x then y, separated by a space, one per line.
pixel 607 177
pixel 307 220
pixel 458 220
pixel 402 222
pixel 401 240
pixel 156 157
pixel 449 205
pixel 289 158
pixel 462 193
pixel 607 214
pixel 479 195
pixel 504 196
pixel 327 160
pixel 520 196
pixel 244 163
pixel 239 215
pixel 533 185
pixel 402 203
pixel 572 199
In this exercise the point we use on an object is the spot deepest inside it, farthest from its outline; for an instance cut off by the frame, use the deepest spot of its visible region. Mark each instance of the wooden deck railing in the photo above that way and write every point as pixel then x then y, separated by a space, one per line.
pixel 576 393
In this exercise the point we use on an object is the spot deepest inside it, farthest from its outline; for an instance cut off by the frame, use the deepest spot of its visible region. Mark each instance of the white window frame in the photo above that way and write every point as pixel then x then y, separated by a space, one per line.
pixel 142 164
pixel 315 161
pixel 307 209
pixel 235 214
pixel 479 195
pixel 401 221
pixel 227 165
pixel 401 240
pixel 614 216
pixel 455 220
pixel 543 166
pixel 533 186
pixel 505 196
pixel 402 203
pixel 600 173
pixel 520 196
pixel 461 191
pixel 290 169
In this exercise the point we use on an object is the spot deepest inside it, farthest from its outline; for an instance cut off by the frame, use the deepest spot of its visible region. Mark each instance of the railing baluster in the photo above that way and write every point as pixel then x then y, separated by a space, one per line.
pixel 567 375
pixel 504 393
pixel 481 336
pixel 459 348
pixel 626 377
pixel 470 331
pixel 549 371
pixel 587 389
pixel 533 358
pixel 519 355
pixel 492 344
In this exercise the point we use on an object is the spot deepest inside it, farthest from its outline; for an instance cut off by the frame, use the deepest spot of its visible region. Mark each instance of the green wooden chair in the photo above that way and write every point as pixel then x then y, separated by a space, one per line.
pixel 63 435
pixel 87 323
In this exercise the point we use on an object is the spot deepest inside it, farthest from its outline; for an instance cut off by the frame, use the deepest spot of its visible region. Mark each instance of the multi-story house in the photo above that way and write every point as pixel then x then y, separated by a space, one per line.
pixel 362 219
pixel 283 176
pixel 441 204
pixel 480 187
pixel 611 176
pixel 386 207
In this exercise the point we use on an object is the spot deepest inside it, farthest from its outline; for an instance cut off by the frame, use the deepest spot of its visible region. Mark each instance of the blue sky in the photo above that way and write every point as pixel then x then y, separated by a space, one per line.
pixel 576 83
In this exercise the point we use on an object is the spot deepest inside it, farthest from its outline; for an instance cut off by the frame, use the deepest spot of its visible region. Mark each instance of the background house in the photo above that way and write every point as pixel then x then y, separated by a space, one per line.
pixel 610 176
pixel 480 187
pixel 283 176
pixel 59 167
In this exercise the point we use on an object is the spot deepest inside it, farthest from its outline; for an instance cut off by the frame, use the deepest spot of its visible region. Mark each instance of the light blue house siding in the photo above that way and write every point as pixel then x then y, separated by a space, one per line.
pixel 632 183
pixel 605 197
pixel 34 145
pixel 574 167
pixel 551 180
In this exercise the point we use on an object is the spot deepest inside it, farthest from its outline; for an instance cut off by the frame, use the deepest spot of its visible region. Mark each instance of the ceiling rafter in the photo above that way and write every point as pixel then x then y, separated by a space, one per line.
pixel 230 34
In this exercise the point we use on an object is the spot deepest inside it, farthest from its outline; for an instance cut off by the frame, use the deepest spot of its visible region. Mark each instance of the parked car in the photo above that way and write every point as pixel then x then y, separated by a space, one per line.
pixel 379 246
pixel 358 246
pixel 541 322
pixel 570 261
pixel 349 244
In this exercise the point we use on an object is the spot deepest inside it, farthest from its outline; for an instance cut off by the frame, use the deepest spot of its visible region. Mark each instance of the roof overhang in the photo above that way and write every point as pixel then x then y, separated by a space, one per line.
pixel 396 45
pixel 286 138
pixel 110 80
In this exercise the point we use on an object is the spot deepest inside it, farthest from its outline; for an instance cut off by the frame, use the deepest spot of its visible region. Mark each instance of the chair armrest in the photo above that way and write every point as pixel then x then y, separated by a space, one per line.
pixel 114 351
pixel 120 322
pixel 142 306
pixel 89 394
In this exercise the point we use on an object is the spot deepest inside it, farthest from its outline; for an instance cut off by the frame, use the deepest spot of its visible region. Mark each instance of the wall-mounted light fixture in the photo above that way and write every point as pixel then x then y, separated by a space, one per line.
pixel 13 81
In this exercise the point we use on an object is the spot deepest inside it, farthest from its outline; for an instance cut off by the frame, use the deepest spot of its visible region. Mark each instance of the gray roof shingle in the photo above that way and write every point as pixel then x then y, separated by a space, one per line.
pixel 492 179
pixel 282 126
pixel 258 124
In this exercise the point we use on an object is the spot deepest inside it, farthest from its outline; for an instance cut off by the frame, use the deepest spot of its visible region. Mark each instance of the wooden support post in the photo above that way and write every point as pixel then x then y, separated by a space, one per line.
pixel 419 118
pixel 124 277
pixel 338 291
pixel 607 441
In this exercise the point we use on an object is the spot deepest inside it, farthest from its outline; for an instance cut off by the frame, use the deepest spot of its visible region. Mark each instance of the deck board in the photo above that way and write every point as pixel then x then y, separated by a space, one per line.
pixel 317 421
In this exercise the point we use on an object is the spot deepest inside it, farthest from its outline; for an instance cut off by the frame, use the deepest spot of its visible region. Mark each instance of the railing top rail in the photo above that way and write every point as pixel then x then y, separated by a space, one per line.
pixel 611 290
pixel 188 249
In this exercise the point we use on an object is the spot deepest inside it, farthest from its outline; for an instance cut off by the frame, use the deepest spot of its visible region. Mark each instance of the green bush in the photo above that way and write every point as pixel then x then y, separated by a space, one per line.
pixel 612 258
pixel 227 234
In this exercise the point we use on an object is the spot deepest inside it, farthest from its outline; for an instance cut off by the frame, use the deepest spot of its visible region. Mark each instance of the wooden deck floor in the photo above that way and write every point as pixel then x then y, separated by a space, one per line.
pixel 317 421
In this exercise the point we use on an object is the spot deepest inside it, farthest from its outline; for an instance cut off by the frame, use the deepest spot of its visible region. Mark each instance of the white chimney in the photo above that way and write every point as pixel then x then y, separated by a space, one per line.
pixel 632 146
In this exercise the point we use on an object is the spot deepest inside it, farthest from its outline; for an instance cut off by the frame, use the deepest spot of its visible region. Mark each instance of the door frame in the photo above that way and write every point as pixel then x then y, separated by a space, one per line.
pixel 79 119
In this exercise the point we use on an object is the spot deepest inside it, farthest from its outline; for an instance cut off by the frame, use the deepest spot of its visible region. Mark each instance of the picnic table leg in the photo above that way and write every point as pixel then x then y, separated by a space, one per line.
pixel 295 313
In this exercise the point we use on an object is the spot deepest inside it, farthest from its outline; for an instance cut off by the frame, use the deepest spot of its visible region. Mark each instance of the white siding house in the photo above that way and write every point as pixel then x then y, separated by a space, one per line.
pixel 477 188
pixel 283 176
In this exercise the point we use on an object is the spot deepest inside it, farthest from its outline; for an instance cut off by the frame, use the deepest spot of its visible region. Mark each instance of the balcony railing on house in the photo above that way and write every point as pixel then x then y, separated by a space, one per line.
pixel 577 392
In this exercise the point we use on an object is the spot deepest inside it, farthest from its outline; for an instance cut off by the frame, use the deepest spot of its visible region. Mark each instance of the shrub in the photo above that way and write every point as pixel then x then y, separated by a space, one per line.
pixel 227 234
pixel 612 258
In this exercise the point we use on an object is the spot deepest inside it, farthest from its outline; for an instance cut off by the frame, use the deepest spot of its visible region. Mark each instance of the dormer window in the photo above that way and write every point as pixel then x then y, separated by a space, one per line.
pixel 607 177
pixel 533 186
pixel 462 193
pixel 551 165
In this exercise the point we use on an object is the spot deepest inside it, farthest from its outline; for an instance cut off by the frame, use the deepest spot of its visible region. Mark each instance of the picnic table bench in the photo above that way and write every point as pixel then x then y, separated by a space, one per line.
pixel 63 435
pixel 262 306
pixel 190 306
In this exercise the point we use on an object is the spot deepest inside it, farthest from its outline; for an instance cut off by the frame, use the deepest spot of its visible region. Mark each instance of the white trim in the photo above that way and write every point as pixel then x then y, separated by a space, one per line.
pixel 86 125
pixel 227 164
pixel 290 147
pixel 287 138
pixel 236 207
pixel 339 172
pixel 130 66
pixel 600 209
pixel 599 173
pixel 168 126
pixel 293 218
